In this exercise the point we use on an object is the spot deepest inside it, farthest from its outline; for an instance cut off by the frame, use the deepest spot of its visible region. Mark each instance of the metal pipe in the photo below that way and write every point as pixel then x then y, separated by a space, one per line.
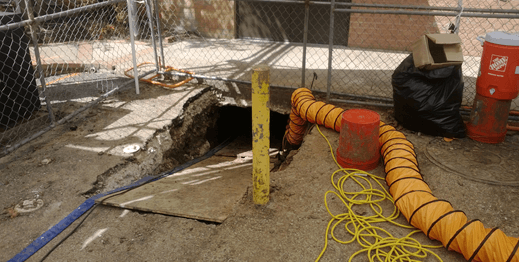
pixel 438 8
pixel 25 141
pixel 132 5
pixel 464 112
pixel 330 51
pixel 305 41
pixel 361 103
pixel 131 21
pixel 423 13
pixel 153 41
pixel 260 134
pixel 467 112
pixel 458 17
pixel 73 11
pixel 363 97
pixel 159 29
pixel 38 62
pixel 70 116
pixel 416 7
pixel 69 12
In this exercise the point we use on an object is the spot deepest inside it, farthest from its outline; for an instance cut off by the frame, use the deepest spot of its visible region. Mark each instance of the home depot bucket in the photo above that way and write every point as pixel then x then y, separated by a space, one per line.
pixel 499 73
pixel 358 141
pixel 497 85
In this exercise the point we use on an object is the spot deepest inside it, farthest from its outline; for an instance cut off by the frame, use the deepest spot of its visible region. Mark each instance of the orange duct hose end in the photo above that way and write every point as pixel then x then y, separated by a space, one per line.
pixel 413 197
pixel 436 217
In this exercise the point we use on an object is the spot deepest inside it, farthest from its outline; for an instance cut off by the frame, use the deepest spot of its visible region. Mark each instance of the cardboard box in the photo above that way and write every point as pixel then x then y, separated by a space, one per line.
pixel 434 51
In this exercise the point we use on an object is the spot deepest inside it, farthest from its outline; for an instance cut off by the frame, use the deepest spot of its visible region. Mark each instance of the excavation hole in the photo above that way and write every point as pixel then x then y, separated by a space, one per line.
pixel 204 128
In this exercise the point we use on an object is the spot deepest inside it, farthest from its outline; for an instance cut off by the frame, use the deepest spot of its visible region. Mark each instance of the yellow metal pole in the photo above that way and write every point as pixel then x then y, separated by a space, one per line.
pixel 260 134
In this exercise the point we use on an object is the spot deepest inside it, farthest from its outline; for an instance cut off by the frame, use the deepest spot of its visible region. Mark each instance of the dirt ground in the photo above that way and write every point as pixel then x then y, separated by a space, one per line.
pixel 291 227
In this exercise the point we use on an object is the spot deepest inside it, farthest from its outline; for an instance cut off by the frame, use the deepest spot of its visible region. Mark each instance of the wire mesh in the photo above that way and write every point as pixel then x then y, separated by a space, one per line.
pixel 19 98
pixel 225 39
pixel 74 52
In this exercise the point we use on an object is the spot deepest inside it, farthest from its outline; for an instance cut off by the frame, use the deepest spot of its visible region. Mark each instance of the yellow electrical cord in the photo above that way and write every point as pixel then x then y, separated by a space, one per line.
pixel 384 249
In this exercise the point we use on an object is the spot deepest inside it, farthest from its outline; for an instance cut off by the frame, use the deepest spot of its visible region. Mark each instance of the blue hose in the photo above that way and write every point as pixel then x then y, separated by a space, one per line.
pixel 50 234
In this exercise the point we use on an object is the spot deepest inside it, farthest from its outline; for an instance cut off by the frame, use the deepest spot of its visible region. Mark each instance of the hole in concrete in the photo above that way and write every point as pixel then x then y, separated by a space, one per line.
pixel 206 129
pixel 203 125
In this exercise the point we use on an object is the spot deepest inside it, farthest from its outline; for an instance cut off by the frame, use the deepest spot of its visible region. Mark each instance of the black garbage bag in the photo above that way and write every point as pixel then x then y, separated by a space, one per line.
pixel 428 101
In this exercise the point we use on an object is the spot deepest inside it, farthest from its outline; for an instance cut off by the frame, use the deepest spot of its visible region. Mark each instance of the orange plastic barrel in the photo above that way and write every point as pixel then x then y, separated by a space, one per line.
pixel 488 119
pixel 358 140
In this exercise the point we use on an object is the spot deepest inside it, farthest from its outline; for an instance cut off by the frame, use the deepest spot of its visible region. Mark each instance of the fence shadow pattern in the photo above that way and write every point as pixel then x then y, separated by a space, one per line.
pixel 62 51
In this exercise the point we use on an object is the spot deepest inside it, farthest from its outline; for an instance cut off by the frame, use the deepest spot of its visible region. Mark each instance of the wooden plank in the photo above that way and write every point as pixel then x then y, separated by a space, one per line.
pixel 206 191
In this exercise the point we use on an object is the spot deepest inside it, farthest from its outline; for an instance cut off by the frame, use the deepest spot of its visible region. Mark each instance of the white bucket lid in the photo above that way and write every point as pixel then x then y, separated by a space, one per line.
pixel 503 38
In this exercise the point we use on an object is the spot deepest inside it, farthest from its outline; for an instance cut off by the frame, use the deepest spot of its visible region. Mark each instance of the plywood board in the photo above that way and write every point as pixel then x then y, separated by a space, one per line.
pixel 206 191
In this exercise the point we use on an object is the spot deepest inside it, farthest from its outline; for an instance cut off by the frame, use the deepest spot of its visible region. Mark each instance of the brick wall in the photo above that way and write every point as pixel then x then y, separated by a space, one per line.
pixel 389 32
pixel 210 18
pixel 216 19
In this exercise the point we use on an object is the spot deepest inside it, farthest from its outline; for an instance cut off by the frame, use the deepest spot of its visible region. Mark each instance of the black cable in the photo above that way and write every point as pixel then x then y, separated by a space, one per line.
pixel 90 211
pixel 412 191
pixel 434 161
pixel 313 79
pixel 69 234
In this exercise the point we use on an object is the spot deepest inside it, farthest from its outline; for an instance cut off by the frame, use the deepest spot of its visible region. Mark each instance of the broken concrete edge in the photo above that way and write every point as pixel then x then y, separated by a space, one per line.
pixel 165 141
pixel 143 162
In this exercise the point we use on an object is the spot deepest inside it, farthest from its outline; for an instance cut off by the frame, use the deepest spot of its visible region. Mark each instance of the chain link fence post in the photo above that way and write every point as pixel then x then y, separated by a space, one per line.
pixel 305 41
pixel 159 33
pixel 149 12
pixel 133 32
pixel 33 28
pixel 330 51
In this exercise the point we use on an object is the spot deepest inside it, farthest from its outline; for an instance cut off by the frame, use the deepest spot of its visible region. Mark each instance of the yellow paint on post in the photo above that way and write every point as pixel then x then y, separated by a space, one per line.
pixel 260 134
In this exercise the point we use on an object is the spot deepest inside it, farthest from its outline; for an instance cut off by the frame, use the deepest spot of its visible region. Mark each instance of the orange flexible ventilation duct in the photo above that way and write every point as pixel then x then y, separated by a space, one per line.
pixel 413 197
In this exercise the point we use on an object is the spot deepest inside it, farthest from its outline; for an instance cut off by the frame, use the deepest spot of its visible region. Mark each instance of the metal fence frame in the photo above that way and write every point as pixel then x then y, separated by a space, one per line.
pixel 32 23
pixel 154 21
pixel 341 7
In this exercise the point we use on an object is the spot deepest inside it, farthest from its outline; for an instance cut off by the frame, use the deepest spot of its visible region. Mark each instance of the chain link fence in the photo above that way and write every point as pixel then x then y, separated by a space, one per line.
pixel 221 40
pixel 61 56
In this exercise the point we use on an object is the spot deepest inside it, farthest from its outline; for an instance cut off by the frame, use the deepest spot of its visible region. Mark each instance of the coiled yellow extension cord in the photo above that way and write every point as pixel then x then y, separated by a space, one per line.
pixel 384 249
